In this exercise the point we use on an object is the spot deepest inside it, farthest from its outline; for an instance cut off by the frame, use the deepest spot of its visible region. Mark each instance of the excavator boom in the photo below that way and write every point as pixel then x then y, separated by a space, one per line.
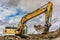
pixel 47 10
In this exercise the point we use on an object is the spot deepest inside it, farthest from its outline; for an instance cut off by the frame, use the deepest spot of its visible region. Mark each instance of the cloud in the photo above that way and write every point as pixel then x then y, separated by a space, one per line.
pixel 10 16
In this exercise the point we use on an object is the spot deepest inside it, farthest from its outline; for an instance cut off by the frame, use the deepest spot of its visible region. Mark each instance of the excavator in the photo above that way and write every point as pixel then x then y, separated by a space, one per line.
pixel 20 28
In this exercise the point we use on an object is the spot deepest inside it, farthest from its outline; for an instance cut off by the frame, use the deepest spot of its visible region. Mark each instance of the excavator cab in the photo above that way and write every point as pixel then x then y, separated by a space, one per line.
pixel 10 30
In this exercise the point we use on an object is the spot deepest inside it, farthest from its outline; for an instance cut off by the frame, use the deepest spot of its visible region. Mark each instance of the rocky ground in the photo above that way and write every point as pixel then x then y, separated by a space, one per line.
pixel 32 37
pixel 55 35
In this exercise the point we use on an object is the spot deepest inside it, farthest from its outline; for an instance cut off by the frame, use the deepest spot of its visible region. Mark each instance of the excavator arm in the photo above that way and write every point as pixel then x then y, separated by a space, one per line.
pixel 39 11
pixel 28 17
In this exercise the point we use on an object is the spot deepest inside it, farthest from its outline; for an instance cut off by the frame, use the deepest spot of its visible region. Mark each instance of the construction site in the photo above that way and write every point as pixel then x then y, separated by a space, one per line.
pixel 20 32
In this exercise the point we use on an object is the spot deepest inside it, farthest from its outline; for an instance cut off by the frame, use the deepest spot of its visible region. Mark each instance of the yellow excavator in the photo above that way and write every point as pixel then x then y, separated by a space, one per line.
pixel 20 28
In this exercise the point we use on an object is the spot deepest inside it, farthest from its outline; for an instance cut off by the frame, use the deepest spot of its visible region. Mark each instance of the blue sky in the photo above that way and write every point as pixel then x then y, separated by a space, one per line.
pixel 7 14
pixel 19 12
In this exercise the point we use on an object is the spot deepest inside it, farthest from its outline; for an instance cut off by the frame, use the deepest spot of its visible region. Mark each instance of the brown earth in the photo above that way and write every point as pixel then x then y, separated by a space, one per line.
pixel 31 37
pixel 55 35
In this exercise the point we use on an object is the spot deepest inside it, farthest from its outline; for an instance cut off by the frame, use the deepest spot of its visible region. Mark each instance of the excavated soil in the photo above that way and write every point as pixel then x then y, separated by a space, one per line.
pixel 55 35
pixel 30 37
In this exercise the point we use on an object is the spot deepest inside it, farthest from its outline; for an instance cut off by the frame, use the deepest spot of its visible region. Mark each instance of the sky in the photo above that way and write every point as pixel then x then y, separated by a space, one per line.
pixel 11 12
